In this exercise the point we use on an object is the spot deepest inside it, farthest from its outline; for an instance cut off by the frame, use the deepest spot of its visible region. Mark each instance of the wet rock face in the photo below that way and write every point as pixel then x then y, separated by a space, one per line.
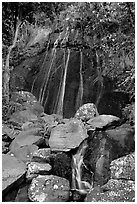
pixel 61 165
pixel 102 149
pixel 98 156
pixel 49 188
pixel 123 140
pixel 121 186
pixel 67 136
pixel 112 103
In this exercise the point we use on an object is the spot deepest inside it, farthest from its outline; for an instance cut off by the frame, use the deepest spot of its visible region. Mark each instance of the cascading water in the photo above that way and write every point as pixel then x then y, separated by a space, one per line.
pixel 100 81
pixel 47 76
pixel 62 94
pixel 80 90
pixel 78 185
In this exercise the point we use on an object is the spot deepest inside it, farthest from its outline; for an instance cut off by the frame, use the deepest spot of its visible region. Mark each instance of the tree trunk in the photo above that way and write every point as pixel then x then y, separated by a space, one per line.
pixel 6 74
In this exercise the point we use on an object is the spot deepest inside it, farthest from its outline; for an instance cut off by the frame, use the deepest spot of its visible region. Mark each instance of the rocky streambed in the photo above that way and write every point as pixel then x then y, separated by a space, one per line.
pixel 47 158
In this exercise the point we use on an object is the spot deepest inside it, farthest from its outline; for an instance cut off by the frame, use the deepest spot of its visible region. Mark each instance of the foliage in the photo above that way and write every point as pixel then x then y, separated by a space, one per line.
pixel 129 113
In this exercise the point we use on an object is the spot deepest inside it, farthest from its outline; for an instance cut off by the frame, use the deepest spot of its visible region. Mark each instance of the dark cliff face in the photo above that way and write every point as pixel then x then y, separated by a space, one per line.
pixel 32 74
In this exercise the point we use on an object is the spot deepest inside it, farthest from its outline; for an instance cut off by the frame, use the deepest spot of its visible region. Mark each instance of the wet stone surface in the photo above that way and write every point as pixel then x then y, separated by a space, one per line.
pixel 49 189
pixel 101 121
pixel 67 136
pixel 13 172
pixel 24 153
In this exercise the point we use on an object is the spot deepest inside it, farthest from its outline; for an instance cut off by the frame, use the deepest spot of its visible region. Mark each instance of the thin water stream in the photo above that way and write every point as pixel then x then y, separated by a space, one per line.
pixel 83 187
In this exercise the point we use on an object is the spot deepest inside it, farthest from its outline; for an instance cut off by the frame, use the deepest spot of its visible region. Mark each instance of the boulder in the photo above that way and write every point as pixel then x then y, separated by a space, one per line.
pixel 86 112
pixel 60 161
pixel 98 156
pixel 26 140
pixel 13 173
pixel 36 168
pixel 123 138
pixel 49 188
pixel 113 191
pixel 22 194
pixel 119 184
pixel 42 155
pixel 24 153
pixel 101 121
pixel 36 131
pixel 101 151
pixel 35 107
pixel 123 167
pixel 61 165
pixel 67 136
pixel 21 117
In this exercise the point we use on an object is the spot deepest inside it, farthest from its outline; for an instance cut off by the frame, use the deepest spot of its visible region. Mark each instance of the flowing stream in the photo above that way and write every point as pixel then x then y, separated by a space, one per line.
pixel 83 187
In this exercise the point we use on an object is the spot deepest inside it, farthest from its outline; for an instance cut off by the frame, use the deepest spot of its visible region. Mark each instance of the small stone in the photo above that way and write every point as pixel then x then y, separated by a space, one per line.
pixel 35 168
pixel 86 112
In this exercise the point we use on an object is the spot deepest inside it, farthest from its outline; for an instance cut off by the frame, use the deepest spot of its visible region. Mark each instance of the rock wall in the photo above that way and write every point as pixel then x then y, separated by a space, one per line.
pixel 32 74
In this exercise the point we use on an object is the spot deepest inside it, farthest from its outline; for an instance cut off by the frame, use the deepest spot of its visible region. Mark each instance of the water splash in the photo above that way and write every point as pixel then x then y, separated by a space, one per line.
pixel 83 187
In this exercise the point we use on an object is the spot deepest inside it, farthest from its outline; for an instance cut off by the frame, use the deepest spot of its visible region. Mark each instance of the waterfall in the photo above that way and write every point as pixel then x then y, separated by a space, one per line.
pixel 99 79
pixel 80 90
pixel 62 91
pixel 77 163
pixel 53 56
pixel 42 67
pixel 59 89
